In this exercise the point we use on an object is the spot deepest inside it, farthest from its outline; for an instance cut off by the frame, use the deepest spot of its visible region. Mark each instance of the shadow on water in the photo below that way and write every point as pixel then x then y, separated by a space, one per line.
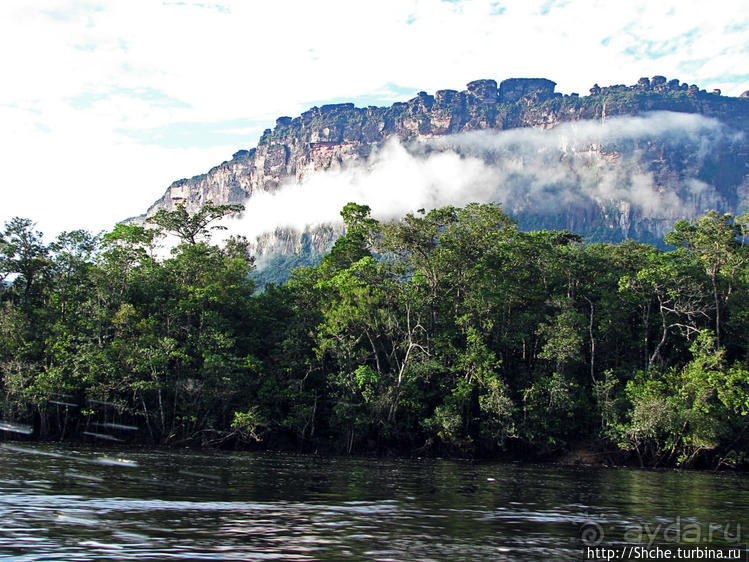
pixel 61 503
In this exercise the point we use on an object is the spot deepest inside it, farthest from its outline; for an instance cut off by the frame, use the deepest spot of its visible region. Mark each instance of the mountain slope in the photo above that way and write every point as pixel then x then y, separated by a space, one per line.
pixel 624 161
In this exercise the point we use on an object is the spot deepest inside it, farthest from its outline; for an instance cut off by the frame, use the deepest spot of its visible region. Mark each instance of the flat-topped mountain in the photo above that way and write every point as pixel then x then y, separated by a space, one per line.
pixel 629 160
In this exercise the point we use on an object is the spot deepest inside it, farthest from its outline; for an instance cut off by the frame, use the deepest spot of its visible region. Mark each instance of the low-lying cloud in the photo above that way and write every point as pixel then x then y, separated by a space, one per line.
pixel 646 165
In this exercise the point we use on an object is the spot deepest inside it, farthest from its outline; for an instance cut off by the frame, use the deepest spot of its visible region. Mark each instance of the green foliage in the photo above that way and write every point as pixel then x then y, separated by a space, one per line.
pixel 686 412
pixel 449 332
pixel 361 230
pixel 564 338
pixel 277 269
pixel 22 251
pixel 247 424
pixel 191 227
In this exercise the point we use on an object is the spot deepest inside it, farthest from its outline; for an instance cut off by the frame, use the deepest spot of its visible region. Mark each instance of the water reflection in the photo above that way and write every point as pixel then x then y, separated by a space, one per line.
pixel 85 504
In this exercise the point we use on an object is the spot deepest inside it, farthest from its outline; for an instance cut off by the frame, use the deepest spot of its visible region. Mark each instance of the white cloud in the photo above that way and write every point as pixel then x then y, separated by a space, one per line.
pixel 229 60
pixel 529 170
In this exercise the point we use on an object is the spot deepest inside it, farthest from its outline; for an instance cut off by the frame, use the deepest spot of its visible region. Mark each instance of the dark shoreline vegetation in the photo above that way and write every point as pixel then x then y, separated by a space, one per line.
pixel 449 333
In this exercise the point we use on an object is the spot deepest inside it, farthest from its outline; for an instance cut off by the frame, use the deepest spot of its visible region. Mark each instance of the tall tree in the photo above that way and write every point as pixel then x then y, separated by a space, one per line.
pixel 718 240
pixel 191 227
pixel 22 251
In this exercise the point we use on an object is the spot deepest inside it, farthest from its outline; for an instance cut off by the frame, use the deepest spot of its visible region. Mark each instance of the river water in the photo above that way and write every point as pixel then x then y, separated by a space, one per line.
pixel 63 503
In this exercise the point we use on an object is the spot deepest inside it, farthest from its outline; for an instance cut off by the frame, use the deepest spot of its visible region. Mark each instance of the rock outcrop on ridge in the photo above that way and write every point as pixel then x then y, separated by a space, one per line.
pixel 337 134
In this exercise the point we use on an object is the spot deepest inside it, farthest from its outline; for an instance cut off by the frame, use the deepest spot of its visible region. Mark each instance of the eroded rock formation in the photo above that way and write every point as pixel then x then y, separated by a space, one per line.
pixel 332 135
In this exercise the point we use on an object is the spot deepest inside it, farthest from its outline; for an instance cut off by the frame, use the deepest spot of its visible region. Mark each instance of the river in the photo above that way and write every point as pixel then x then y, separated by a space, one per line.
pixel 73 503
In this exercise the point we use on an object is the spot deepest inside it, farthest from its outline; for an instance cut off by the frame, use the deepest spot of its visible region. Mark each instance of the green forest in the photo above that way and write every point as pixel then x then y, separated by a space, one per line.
pixel 447 333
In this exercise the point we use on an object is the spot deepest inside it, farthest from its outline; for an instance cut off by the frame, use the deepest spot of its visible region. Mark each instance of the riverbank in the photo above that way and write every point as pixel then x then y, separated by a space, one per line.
pixel 588 453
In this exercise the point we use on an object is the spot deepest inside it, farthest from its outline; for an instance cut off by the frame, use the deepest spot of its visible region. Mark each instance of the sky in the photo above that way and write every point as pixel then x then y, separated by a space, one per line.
pixel 104 103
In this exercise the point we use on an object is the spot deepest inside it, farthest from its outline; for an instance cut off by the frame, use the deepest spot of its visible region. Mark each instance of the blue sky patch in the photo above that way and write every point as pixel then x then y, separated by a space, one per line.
pixel 153 96
pixel 221 8
pixel 73 12
pixel 382 96
pixel 652 50
pixel 496 9
pixel 237 133
pixel 692 66
pixel 551 4
pixel 737 27
pixel 87 47
pixel 729 77
pixel 85 101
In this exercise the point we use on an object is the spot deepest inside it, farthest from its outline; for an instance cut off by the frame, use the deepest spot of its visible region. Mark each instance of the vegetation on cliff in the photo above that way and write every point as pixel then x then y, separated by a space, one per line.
pixel 450 332
pixel 701 171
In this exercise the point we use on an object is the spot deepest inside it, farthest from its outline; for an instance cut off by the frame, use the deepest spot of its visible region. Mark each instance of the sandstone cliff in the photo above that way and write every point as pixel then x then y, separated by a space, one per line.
pixel 333 135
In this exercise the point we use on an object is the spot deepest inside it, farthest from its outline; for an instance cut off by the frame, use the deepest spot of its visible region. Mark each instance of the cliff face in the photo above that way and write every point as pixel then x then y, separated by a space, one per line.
pixel 332 135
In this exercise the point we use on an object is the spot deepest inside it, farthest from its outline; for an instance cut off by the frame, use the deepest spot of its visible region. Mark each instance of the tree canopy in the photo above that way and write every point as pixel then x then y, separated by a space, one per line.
pixel 190 227
pixel 448 332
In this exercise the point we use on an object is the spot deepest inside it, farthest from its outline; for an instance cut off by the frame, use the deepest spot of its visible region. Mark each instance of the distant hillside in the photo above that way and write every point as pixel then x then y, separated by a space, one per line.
pixel 556 161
